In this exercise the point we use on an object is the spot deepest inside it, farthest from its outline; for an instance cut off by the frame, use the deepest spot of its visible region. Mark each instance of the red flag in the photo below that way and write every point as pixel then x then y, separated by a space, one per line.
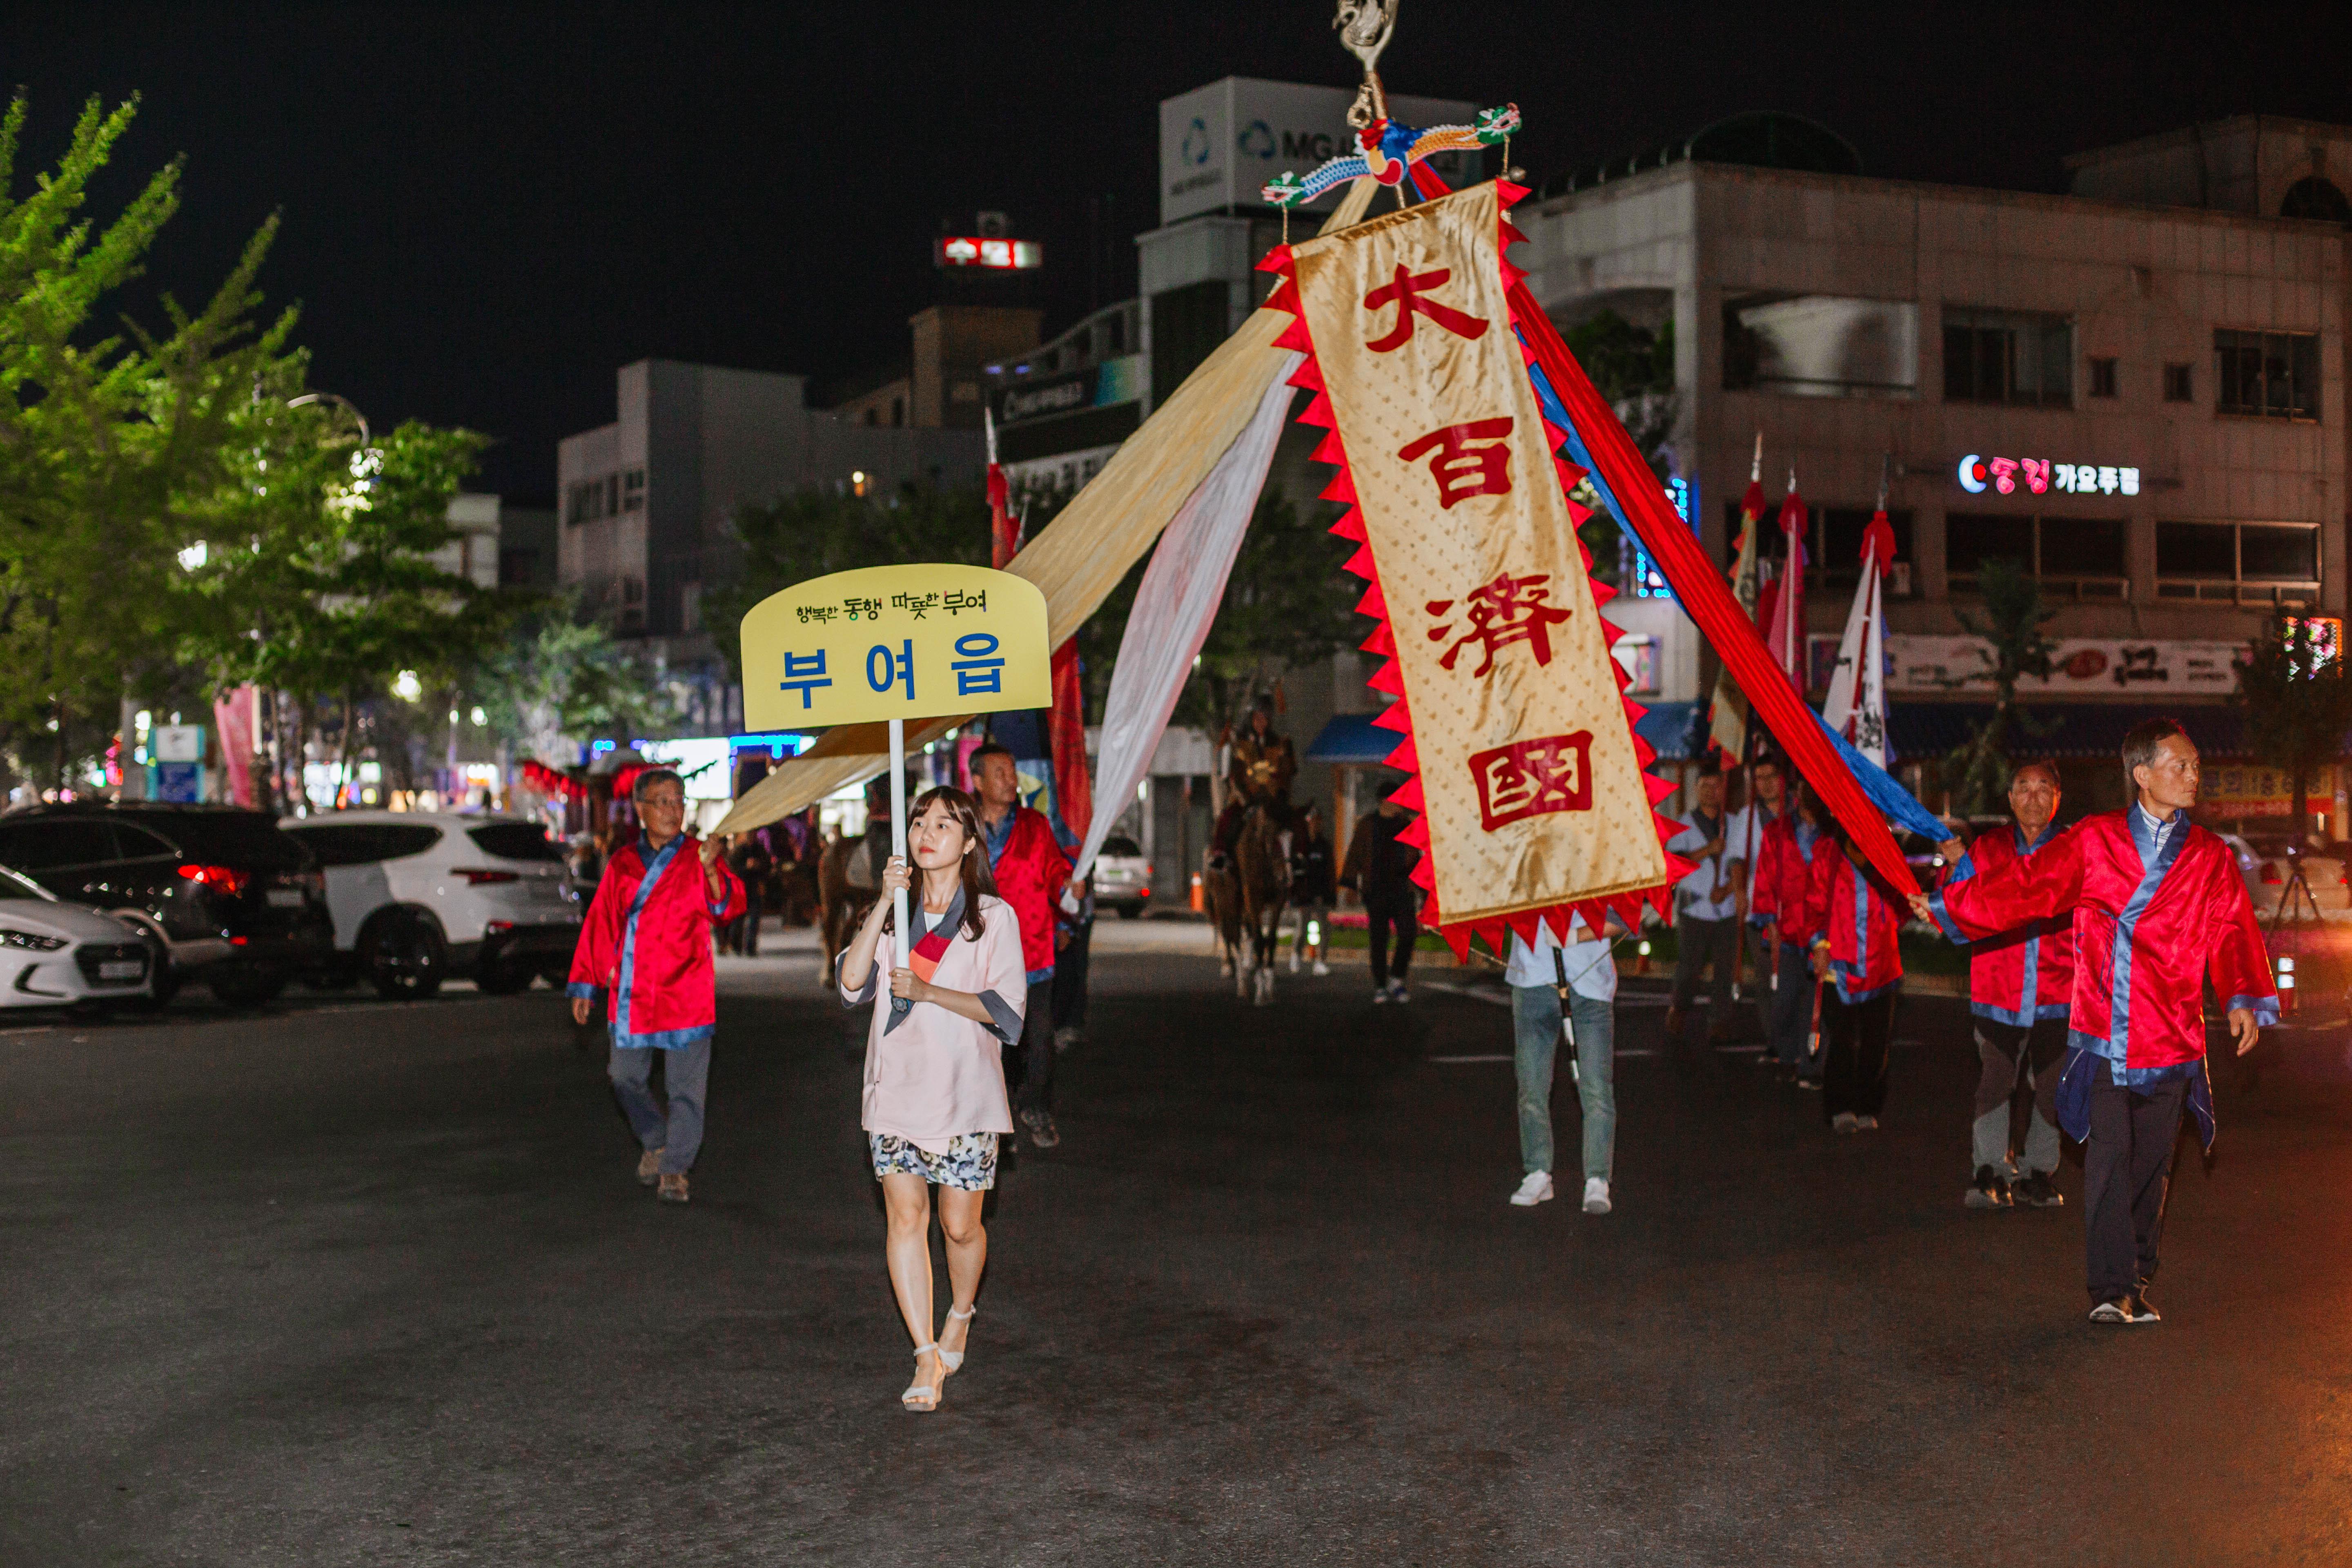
pixel 1004 529
pixel 1066 729
pixel 1785 630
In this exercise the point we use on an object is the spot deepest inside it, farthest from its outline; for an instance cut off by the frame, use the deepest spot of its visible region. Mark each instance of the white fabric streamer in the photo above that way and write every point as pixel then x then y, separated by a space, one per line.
pixel 1175 604
pixel 1856 708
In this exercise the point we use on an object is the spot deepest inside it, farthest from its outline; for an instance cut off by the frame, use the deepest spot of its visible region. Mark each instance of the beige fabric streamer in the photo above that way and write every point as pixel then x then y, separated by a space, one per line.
pixel 1082 554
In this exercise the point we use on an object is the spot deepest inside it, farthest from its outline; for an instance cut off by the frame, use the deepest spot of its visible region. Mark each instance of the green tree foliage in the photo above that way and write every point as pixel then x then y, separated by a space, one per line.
pixel 2298 707
pixel 1978 769
pixel 561 682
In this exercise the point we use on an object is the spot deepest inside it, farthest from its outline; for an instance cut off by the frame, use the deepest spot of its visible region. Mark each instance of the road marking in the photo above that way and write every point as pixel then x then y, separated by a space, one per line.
pixel 1474 992
pixel 1458 1061
pixel 1741 1050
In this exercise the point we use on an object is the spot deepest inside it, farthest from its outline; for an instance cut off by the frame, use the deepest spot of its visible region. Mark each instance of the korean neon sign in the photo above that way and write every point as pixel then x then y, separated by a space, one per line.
pixel 996 255
pixel 2038 475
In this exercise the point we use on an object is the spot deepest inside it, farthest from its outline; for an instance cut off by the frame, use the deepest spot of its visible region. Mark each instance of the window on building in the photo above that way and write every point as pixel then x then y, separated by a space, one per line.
pixel 2264 562
pixel 592 498
pixel 2103 375
pixel 1821 345
pixel 2075 557
pixel 898 411
pixel 2008 356
pixel 2179 384
pixel 1187 326
pixel 2276 375
pixel 633 490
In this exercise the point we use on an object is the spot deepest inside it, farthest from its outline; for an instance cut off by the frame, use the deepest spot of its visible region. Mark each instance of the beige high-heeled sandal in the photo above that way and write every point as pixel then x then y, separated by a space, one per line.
pixel 953 1360
pixel 924 1397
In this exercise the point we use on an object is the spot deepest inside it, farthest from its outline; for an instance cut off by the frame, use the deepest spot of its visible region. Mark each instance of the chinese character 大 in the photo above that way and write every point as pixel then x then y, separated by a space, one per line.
pixel 1405 294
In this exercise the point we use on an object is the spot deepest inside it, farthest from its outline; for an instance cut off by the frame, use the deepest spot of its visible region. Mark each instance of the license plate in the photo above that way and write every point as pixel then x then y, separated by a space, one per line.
pixel 121 969
pixel 285 898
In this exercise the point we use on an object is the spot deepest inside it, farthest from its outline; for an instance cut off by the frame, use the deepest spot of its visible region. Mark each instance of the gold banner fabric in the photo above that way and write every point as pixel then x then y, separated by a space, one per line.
pixel 1533 792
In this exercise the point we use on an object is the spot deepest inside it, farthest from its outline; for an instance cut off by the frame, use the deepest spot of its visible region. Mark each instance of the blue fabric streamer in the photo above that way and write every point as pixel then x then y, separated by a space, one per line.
pixel 1890 797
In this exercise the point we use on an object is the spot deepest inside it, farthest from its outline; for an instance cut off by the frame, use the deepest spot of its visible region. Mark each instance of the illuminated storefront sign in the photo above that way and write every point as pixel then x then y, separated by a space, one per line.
pixel 2038 475
pixel 998 254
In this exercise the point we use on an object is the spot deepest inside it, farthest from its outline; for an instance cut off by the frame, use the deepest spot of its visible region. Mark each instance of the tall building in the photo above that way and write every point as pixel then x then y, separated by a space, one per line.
pixel 2136 389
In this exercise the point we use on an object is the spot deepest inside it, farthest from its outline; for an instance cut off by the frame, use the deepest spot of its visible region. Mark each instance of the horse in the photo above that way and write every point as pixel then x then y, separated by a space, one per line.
pixel 840 906
pixel 1245 901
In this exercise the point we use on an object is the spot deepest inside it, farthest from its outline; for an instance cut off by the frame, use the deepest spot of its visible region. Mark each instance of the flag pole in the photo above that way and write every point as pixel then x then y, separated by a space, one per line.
pixel 1739 897
pixel 898 828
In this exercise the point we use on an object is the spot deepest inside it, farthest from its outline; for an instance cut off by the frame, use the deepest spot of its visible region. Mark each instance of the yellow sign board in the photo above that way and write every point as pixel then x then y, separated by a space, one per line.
pixel 895 642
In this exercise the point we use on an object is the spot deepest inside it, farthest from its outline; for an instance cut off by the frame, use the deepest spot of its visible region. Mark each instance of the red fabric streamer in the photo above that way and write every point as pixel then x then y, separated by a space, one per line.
pixel 1705 597
pixel 1066 730
pixel 1003 530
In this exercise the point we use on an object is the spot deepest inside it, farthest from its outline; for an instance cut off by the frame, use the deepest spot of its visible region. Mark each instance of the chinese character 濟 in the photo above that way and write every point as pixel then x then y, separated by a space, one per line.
pixel 1506 611
pixel 916 602
pixel 976 673
pixel 1463 470
pixel 803 672
pixel 1530 778
pixel 893 670
pixel 1404 293
pixel 957 601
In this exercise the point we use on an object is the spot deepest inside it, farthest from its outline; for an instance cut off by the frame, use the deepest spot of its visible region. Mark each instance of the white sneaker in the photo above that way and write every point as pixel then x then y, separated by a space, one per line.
pixel 1294 964
pixel 1321 967
pixel 1596 1195
pixel 1397 992
pixel 1535 1189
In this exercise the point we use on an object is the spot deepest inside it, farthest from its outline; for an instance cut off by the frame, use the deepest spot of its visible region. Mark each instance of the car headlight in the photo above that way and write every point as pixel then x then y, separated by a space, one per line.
pixel 31 941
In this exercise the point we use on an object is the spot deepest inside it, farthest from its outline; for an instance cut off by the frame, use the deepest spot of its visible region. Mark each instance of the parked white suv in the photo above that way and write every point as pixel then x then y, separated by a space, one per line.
pixel 1122 876
pixel 418 899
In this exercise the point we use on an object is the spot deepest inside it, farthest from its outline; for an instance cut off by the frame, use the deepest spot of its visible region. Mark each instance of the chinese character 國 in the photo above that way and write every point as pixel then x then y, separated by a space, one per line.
pixel 977 674
pixel 1463 470
pixel 804 672
pixel 957 601
pixel 1405 294
pixel 1531 778
pixel 1506 611
pixel 885 669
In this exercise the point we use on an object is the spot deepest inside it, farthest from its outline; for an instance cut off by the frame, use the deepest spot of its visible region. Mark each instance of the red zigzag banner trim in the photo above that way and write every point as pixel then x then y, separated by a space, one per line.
pixel 1381 644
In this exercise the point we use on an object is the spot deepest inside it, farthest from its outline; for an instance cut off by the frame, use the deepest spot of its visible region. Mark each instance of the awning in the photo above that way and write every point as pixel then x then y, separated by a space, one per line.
pixel 1926 732
pixel 1352 738
pixel 1673 730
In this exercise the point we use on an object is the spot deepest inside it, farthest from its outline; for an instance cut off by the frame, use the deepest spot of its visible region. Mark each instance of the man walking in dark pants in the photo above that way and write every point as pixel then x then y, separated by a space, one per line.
pixel 1707 913
pixel 1031 873
pixel 1381 870
pixel 2018 986
pixel 1311 889
pixel 2158 908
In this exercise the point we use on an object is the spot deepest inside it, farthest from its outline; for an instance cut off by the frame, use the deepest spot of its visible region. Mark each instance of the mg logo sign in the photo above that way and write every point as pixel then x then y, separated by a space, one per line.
pixel 1195 149
pixel 1256 140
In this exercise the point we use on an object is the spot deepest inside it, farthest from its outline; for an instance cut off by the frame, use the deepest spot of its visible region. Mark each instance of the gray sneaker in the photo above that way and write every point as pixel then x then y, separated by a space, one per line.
pixel 1043 1133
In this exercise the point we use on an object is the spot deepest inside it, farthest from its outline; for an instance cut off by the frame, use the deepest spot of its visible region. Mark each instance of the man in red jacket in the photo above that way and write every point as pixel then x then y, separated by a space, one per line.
pixel 647 942
pixel 2020 983
pixel 1032 875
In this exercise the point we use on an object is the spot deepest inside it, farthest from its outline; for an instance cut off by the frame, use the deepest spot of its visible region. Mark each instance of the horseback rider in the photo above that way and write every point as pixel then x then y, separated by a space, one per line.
pixel 1259 773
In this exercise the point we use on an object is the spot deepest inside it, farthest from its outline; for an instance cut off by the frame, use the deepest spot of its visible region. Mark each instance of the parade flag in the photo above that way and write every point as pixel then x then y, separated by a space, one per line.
pixel 1727 728
pixel 1514 729
pixel 1856 708
pixel 1786 622
pixel 1003 528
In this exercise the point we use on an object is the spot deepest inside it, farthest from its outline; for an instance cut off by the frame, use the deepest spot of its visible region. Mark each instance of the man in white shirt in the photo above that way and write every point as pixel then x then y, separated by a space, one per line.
pixel 1535 975
pixel 1707 908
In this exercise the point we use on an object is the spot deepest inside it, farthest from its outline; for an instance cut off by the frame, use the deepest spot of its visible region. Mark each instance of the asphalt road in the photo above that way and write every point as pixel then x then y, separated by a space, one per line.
pixel 357 1283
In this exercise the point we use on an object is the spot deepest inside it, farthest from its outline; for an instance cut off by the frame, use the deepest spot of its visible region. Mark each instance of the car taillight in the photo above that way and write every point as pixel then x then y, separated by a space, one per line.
pixel 479 878
pixel 2271 877
pixel 496 928
pixel 228 881
pixel 1143 892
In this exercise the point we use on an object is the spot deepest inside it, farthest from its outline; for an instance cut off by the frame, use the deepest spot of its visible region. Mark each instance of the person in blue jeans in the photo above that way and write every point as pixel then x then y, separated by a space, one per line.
pixel 1535 974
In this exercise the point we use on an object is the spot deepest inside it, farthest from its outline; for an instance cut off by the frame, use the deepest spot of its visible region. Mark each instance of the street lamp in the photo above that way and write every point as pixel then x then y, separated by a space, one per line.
pixel 366 438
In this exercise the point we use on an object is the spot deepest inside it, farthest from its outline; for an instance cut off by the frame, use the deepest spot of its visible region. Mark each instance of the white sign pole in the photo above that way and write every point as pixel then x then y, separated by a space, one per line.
pixel 898 831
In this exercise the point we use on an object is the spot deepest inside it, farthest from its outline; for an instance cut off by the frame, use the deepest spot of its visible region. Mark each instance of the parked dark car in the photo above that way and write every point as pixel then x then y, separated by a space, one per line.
pixel 227 897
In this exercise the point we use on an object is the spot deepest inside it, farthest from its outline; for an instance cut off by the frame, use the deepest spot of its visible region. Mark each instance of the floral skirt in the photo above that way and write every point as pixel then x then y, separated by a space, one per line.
pixel 969 1165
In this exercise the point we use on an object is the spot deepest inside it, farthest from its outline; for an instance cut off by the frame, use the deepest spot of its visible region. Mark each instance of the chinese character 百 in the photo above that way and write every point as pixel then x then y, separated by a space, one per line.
pixel 957 601
pixel 892 669
pixel 1506 611
pixel 1529 778
pixel 975 672
pixel 1463 470
pixel 916 602
pixel 1404 293
pixel 804 672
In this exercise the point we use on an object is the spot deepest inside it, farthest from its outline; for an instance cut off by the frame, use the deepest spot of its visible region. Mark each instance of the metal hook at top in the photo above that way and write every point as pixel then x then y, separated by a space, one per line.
pixel 1364 26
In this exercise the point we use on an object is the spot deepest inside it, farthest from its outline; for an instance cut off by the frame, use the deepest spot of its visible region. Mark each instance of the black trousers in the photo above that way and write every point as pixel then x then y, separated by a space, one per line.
pixel 1378 920
pixel 1030 1062
pixel 1853 1051
pixel 1070 979
pixel 2126 1171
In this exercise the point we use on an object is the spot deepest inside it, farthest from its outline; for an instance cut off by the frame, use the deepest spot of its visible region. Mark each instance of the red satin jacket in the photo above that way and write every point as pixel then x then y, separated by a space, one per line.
pixel 647 942
pixel 1777 885
pixel 1848 910
pixel 2026 972
pixel 1031 871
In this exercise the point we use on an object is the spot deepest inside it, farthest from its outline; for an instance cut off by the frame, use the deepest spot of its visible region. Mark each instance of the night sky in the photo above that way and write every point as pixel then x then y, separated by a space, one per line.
pixel 487 209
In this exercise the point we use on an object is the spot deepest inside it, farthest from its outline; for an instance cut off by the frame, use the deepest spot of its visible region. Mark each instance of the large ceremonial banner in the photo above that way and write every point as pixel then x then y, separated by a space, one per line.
pixel 1529 775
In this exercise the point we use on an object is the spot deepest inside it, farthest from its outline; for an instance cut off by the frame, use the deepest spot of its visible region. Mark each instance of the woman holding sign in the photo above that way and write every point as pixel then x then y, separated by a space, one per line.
pixel 934 1098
